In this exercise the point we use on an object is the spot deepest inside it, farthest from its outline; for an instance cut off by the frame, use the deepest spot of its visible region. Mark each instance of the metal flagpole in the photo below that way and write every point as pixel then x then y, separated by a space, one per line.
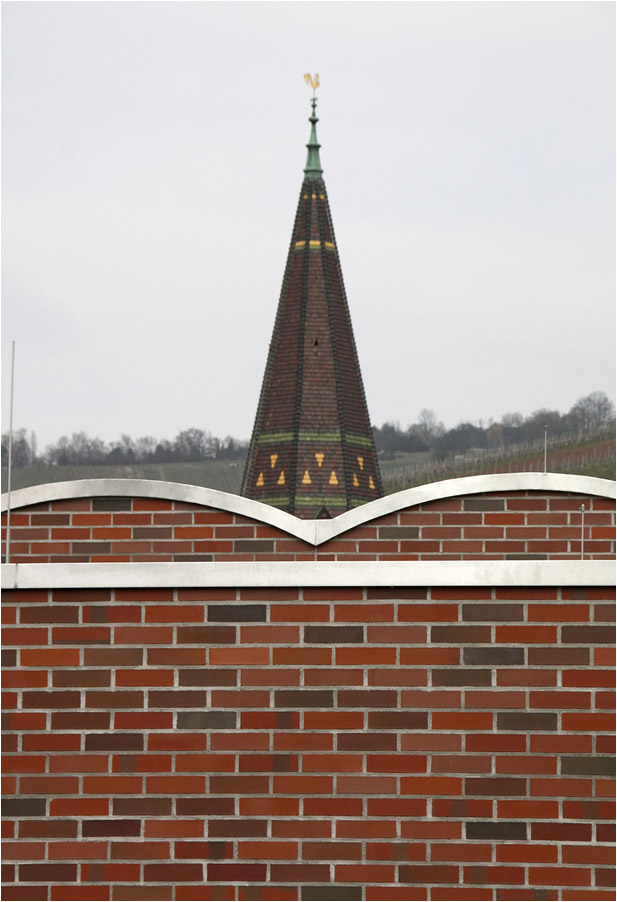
pixel 582 531
pixel 8 506
pixel 545 440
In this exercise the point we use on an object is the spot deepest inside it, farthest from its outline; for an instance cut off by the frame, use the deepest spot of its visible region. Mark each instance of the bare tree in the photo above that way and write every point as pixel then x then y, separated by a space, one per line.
pixel 593 412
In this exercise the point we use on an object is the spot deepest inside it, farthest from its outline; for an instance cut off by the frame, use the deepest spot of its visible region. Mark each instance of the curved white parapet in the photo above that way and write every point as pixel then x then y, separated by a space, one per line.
pixel 315 532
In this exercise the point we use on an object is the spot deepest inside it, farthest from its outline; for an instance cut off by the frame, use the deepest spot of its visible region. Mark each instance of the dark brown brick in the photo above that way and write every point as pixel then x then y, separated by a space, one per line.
pixel 253 545
pixel 298 872
pixel 588 635
pixel 484 504
pixel 304 698
pixel 428 874
pixel 112 504
pixel 207 720
pixel 113 657
pixel 236 872
pixel 152 532
pixel 115 742
pixel 50 700
pixel 495 786
pixel 22 892
pixel 208 676
pixel 50 614
pixel 80 720
pixel 454 634
pixel 454 677
pixel 605 876
pixel 333 635
pixel 411 594
pixel 367 742
pixel 498 655
pixel 596 766
pixel 331 893
pixel 496 830
pixel 142 807
pixel 523 720
pixel 211 850
pixel 60 872
pixel 9 657
pixel 18 807
pixel 205 806
pixel 91 547
pixel 80 679
pixel 115 699
pixel 48 828
pixel 111 827
pixel 398 720
pixel 237 613
pixel 206 635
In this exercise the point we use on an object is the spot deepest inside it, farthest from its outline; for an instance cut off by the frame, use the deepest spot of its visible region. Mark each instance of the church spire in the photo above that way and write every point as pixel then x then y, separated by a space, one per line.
pixel 312 451
pixel 313 168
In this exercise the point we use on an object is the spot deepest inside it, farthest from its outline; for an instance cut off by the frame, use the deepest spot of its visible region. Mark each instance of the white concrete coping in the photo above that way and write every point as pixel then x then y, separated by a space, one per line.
pixel 315 532
pixel 309 573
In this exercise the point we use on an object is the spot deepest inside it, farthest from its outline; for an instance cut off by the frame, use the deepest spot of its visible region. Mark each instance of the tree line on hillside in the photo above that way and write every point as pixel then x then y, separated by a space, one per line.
pixel 82 450
pixel 590 415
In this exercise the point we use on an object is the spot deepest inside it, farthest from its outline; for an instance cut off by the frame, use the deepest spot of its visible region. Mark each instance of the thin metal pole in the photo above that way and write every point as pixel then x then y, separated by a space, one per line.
pixel 582 531
pixel 545 441
pixel 8 486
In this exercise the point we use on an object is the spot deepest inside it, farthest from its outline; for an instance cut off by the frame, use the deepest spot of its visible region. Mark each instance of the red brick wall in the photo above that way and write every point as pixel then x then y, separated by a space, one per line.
pixel 307 743
pixel 510 525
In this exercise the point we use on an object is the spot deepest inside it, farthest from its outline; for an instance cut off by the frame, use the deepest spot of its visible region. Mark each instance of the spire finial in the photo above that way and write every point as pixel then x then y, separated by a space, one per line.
pixel 313 168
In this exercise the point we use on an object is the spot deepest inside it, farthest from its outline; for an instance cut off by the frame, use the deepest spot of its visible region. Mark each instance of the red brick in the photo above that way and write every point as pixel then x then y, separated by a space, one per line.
pixel 81 807
pixel 560 876
pixel 429 613
pixel 355 873
pixel 268 849
pixel 363 613
pixel 77 851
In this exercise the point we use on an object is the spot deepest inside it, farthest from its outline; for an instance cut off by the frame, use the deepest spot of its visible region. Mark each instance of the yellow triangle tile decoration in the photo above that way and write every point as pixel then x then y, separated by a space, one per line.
pixel 355 481
pixel 319 458
pixel 281 479
pixel 361 463
pixel 260 479
pixel 333 480
pixel 273 460
pixel 306 479
pixel 371 484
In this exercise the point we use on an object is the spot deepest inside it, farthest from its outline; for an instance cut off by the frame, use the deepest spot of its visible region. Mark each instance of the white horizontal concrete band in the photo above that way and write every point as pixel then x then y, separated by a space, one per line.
pixel 309 573
pixel 315 532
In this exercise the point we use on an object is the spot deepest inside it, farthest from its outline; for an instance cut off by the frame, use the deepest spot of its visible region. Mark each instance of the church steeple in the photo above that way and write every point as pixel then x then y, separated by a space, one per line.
pixel 313 168
pixel 312 451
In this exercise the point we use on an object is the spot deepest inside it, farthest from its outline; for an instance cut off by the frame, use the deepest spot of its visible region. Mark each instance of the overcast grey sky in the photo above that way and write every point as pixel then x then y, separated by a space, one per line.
pixel 152 161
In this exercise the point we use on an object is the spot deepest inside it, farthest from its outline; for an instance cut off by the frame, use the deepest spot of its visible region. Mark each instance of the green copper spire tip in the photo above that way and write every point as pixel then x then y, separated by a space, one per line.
pixel 313 168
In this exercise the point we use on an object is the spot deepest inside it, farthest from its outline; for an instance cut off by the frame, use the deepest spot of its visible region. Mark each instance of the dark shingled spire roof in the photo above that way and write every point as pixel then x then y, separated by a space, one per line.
pixel 312 451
